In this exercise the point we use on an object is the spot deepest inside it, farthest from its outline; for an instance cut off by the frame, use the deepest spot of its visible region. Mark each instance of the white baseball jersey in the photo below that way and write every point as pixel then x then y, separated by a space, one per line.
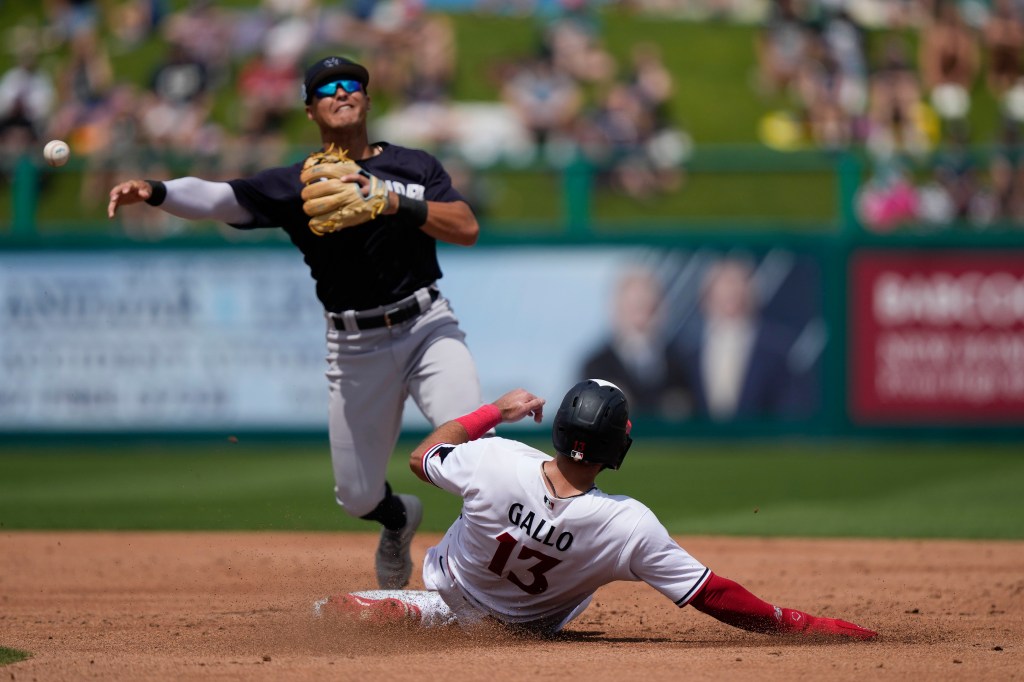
pixel 522 555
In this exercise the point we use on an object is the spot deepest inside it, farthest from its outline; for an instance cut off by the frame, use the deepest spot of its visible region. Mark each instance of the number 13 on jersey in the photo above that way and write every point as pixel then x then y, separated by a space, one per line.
pixel 544 563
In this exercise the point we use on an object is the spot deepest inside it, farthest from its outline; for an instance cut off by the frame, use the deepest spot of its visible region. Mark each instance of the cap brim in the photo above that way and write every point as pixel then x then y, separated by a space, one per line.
pixel 353 71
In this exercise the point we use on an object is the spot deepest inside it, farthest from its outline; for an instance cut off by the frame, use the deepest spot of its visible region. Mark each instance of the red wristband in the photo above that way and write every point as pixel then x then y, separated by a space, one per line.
pixel 481 421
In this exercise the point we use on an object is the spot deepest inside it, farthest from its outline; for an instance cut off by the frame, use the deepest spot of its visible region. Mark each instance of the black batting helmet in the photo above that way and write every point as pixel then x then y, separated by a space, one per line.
pixel 592 424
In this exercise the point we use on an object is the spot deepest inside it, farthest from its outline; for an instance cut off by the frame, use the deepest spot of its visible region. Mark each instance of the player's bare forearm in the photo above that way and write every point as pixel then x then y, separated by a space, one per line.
pixel 447 221
pixel 511 407
pixel 451 432
pixel 452 222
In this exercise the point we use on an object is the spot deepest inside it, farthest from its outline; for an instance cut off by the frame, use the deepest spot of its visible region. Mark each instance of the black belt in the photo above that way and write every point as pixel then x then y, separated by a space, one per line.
pixel 394 313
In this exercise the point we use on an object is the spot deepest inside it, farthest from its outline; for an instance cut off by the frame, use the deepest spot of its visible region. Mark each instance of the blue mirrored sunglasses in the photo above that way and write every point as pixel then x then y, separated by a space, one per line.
pixel 330 89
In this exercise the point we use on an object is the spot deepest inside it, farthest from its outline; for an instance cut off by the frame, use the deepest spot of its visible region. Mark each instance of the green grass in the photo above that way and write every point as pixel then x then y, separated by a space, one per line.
pixel 12 656
pixel 756 488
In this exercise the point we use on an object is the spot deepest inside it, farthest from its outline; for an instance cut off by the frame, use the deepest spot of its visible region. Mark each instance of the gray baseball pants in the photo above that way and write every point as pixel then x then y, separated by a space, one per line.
pixel 371 373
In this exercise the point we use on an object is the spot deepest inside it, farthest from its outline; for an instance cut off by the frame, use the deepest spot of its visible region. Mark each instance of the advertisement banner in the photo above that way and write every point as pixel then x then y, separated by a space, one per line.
pixel 147 340
pixel 234 339
pixel 936 337
pixel 131 340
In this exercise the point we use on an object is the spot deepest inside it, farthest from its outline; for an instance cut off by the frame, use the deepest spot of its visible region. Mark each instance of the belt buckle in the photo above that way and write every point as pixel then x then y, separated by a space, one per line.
pixel 388 314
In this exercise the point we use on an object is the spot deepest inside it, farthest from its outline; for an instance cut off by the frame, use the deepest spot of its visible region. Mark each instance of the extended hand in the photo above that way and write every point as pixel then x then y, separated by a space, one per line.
pixel 129 192
pixel 520 403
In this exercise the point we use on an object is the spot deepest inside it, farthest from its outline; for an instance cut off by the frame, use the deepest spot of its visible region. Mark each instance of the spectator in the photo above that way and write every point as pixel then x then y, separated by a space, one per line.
pixel 635 356
pixel 26 99
pixel 180 79
pixel 897 119
pixel 956 172
pixel 419 62
pixel 85 85
pixel 547 100
pixel 1007 173
pixel 623 138
pixel 572 41
pixel 201 34
pixel 667 146
pixel 134 21
pixel 901 14
pixel 178 103
pixel 286 38
pixel 889 199
pixel 652 80
pixel 949 61
pixel 385 32
pixel 820 84
pixel 431 61
pixel 613 137
pixel 781 47
pixel 845 43
pixel 266 86
pixel 69 17
pixel 1003 42
pixel 117 145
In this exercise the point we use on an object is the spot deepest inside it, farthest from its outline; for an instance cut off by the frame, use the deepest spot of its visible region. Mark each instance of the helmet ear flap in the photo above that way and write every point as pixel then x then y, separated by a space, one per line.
pixel 625 448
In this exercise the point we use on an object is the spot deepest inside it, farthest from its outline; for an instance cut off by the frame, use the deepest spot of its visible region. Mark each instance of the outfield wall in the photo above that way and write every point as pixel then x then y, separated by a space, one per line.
pixel 868 334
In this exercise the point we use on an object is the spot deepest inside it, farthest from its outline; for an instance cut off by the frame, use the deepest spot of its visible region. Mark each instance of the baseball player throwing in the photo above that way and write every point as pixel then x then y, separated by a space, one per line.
pixel 372 254
pixel 536 537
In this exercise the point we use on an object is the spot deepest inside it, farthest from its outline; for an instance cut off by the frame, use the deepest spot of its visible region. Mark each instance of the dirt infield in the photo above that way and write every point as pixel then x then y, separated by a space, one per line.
pixel 222 606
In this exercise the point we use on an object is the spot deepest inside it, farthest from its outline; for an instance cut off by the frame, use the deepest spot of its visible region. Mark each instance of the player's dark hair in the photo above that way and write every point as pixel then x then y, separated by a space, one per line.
pixel 592 424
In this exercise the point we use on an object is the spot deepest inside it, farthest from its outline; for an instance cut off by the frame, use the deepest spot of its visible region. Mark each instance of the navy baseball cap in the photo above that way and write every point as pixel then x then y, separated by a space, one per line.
pixel 332 68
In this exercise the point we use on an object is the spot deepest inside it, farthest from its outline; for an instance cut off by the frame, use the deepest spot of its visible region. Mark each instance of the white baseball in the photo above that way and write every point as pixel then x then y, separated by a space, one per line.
pixel 56 152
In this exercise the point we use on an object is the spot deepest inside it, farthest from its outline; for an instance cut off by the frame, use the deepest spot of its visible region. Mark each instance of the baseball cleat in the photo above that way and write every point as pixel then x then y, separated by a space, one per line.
pixel 387 611
pixel 394 560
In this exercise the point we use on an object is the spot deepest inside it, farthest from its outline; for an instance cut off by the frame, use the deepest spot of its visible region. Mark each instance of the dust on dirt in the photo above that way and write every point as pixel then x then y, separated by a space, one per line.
pixel 238 606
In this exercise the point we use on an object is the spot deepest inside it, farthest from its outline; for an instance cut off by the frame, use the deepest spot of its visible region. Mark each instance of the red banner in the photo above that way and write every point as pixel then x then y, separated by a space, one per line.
pixel 937 337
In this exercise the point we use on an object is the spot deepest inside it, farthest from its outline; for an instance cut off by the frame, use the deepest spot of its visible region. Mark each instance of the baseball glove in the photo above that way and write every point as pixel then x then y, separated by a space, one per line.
pixel 331 204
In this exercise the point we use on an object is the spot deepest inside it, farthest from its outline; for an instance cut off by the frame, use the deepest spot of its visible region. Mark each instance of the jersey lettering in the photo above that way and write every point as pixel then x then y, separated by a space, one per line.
pixel 542 533
pixel 527 523
pixel 412 190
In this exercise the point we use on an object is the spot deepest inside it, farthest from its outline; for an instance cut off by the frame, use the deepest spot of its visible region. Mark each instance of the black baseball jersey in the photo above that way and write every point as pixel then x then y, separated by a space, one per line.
pixel 368 265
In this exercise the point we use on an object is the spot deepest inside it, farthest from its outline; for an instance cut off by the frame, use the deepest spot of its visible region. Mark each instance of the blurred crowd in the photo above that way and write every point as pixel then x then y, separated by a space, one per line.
pixel 570 97
pixel 908 102
pixel 567 99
